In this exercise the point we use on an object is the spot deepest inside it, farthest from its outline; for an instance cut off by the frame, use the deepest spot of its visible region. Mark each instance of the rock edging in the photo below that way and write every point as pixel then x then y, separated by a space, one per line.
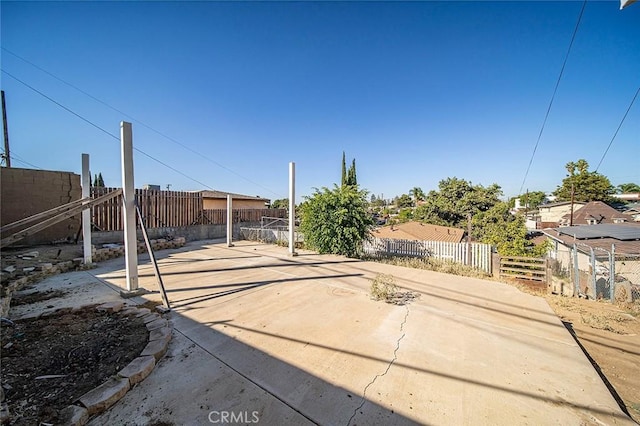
pixel 104 396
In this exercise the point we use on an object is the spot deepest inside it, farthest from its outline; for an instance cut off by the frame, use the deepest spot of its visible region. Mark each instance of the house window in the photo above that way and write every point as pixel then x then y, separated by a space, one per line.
pixel 591 222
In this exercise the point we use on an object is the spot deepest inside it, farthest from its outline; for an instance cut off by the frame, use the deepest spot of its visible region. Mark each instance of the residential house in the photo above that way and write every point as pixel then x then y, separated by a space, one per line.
pixel 594 213
pixel 218 200
pixel 417 231
pixel 549 215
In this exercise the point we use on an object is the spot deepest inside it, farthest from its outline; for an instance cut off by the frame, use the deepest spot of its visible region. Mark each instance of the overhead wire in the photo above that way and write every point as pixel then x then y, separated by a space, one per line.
pixel 104 131
pixel 169 138
pixel 624 117
pixel 555 90
pixel 19 159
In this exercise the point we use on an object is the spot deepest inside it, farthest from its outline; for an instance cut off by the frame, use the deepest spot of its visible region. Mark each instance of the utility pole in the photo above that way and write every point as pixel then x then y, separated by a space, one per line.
pixel 573 196
pixel 7 155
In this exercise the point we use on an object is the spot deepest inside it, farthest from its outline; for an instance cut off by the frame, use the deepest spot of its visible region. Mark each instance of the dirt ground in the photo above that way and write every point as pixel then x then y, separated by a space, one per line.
pixel 49 362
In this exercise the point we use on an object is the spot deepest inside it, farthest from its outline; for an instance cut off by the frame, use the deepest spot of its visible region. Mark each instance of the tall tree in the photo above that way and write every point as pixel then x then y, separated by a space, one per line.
pixel 626 188
pixel 404 201
pixel 336 220
pixel 455 200
pixel 587 186
pixel 281 203
pixel 530 199
pixel 100 180
pixel 507 232
pixel 417 193
pixel 343 181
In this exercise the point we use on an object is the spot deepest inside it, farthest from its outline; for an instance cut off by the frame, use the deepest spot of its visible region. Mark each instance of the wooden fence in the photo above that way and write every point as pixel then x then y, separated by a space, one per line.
pixel 476 255
pixel 527 268
pixel 161 209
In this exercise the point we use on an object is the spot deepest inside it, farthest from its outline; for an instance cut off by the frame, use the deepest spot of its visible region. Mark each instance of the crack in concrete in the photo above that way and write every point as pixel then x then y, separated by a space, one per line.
pixel 377 376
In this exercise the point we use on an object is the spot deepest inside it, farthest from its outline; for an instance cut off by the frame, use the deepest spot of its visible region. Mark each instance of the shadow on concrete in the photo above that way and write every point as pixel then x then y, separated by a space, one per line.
pixel 243 287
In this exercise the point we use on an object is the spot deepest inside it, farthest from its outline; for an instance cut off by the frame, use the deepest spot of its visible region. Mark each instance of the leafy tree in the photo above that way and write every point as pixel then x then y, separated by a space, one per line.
pixel 626 188
pixel 417 193
pixel 404 201
pixel 455 200
pixel 336 220
pixel 281 203
pixel 344 170
pixel 587 186
pixel 405 215
pixel 530 199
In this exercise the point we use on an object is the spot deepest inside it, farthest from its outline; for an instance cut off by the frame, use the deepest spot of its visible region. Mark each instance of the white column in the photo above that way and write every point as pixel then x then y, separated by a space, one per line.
pixel 86 214
pixel 292 208
pixel 229 221
pixel 128 191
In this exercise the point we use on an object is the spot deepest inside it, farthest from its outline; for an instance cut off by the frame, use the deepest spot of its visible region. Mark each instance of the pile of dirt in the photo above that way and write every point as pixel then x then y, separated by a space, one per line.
pixel 49 362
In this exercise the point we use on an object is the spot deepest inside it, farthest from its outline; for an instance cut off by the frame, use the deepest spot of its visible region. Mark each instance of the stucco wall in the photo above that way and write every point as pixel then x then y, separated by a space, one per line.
pixel 25 192
pixel 217 203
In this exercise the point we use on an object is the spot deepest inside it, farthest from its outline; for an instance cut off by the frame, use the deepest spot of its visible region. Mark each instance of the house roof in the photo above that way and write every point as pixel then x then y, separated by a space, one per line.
pixel 559 204
pixel 222 194
pixel 598 236
pixel 420 231
pixel 594 210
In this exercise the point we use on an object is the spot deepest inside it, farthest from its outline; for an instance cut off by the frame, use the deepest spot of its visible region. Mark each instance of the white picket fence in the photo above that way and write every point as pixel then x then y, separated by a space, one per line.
pixel 479 254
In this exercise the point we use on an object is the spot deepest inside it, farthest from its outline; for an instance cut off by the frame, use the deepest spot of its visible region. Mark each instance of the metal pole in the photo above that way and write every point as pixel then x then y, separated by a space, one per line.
pixel 612 273
pixel 576 272
pixel 229 221
pixel 6 132
pixel 292 208
pixel 86 214
pixel 593 271
pixel 129 213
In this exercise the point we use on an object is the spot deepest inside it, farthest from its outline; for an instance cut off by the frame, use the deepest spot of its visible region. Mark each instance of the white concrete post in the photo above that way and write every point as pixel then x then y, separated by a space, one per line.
pixel 292 209
pixel 129 213
pixel 229 221
pixel 86 214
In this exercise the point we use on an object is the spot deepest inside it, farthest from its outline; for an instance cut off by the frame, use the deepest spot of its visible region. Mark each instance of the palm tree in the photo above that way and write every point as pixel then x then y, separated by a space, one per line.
pixel 417 193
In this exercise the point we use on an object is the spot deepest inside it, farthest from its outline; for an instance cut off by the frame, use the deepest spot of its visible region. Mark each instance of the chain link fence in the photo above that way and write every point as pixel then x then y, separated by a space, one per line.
pixel 272 230
pixel 596 273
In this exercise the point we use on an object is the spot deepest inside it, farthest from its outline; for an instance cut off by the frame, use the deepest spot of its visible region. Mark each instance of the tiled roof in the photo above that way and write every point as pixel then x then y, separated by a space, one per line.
pixel 420 231
pixel 595 210
pixel 222 194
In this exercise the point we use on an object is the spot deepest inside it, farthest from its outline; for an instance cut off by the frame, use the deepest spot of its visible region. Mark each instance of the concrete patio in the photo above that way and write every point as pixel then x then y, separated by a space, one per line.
pixel 263 337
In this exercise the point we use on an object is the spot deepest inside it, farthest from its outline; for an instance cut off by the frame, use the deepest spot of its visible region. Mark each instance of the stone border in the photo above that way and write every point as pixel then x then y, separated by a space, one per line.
pixel 104 396
pixel 45 270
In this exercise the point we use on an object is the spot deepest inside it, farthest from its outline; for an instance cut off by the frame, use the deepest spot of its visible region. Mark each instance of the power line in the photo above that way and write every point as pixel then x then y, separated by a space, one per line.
pixel 139 122
pixel 555 90
pixel 103 130
pixel 619 126
pixel 20 160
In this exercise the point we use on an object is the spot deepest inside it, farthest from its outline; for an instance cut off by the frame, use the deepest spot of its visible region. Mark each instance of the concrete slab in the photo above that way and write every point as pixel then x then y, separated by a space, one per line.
pixel 299 341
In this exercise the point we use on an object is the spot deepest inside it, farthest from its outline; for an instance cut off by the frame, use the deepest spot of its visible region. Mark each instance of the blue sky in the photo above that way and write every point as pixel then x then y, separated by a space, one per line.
pixel 415 91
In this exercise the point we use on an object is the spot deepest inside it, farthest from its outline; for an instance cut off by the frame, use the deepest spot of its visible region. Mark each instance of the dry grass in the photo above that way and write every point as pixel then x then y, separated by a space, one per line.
pixel 432 265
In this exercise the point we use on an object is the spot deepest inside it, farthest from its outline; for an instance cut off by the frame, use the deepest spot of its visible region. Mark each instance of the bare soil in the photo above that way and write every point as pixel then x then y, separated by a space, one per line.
pixel 49 362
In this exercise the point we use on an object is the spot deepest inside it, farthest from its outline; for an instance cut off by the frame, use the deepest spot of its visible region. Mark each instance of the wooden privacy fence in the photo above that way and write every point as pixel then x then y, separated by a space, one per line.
pixel 527 268
pixel 476 255
pixel 161 209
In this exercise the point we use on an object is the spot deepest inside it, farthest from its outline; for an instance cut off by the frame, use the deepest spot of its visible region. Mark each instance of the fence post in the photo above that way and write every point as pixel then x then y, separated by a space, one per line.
pixel 292 209
pixel 86 214
pixel 593 271
pixel 129 211
pixel 229 221
pixel 612 273
pixel 576 271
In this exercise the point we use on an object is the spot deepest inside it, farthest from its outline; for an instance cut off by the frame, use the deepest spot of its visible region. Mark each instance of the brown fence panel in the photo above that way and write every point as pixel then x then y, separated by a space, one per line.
pixel 158 208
